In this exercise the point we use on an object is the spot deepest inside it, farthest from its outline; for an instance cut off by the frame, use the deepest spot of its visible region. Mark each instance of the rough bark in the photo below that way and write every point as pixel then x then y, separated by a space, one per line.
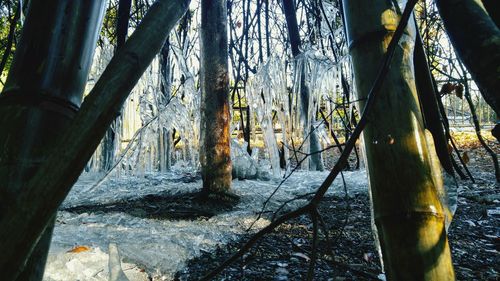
pixel 43 91
pixel 25 214
pixel 408 215
pixel 476 39
pixel 214 145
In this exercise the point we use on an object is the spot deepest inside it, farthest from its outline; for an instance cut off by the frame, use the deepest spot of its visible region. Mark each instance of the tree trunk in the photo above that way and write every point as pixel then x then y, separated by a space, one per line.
pixel 476 38
pixel 108 146
pixel 43 91
pixel 110 141
pixel 312 142
pixel 408 215
pixel 124 7
pixel 28 205
pixel 165 136
pixel 214 145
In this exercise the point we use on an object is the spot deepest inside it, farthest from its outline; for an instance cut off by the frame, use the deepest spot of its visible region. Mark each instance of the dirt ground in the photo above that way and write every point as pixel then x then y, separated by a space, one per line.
pixel 474 237
pixel 284 254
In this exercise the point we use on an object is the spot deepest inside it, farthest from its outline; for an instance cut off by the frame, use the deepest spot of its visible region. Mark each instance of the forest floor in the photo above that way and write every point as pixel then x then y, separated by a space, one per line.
pixel 284 254
pixel 474 236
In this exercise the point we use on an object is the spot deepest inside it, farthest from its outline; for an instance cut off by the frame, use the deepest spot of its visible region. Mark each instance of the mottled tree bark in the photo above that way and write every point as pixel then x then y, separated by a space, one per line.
pixel 214 145
pixel 404 184
pixel 28 206
pixel 43 91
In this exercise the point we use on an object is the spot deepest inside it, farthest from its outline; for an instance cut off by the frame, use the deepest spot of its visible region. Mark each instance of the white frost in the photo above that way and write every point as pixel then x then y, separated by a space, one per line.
pixel 162 247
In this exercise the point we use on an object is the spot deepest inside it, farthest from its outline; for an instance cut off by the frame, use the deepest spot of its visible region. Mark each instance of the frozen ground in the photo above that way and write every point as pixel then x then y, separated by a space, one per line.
pixel 160 248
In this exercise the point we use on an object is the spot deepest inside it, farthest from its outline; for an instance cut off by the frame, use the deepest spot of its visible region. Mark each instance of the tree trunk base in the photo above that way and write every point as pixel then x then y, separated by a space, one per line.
pixel 225 198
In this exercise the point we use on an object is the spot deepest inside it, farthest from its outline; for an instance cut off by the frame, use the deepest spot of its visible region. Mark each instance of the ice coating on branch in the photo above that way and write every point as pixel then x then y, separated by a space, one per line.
pixel 266 94
pixel 144 133
pixel 277 108
pixel 244 167
pixel 153 120
pixel 315 79
pixel 114 264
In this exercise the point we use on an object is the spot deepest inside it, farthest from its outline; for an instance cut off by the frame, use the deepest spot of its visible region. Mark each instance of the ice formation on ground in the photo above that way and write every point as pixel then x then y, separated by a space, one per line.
pixel 162 247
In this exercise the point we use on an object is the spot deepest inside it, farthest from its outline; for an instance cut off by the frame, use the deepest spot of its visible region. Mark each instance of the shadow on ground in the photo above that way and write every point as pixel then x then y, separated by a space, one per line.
pixel 187 206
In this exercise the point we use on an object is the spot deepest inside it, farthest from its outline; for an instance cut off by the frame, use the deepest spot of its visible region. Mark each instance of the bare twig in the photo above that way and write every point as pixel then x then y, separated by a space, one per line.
pixel 477 126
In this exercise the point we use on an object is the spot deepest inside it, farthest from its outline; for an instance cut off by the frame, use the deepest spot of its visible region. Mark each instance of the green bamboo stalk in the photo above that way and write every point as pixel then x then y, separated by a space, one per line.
pixel 24 217
pixel 42 93
pixel 408 215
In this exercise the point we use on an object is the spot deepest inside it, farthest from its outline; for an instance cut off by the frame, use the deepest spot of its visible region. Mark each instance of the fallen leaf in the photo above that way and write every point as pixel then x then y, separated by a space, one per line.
pixel 465 157
pixel 79 249
pixel 447 88
pixel 459 90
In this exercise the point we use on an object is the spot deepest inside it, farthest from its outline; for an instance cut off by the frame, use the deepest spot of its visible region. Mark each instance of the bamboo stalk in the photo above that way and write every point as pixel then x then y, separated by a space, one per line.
pixel 24 218
pixel 409 218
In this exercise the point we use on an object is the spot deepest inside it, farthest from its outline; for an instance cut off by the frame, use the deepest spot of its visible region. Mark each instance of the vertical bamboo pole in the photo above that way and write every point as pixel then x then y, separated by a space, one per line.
pixel 409 218
pixel 26 211
pixel 42 93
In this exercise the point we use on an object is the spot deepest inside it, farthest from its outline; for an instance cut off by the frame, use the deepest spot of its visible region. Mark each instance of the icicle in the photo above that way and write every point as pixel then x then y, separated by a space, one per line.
pixel 263 92
pixel 114 264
